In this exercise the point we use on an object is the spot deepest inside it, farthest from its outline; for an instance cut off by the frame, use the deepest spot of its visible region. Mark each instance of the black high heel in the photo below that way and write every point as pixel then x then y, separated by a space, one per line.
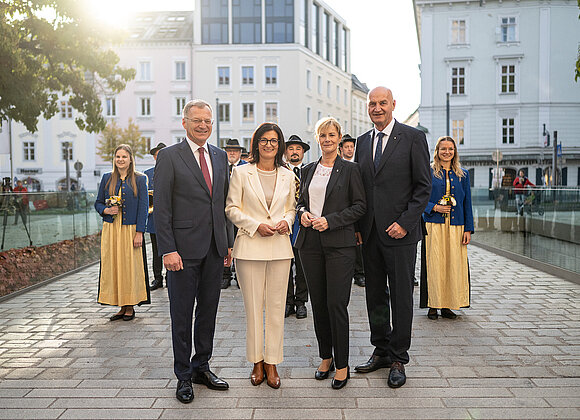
pixel 337 384
pixel 320 375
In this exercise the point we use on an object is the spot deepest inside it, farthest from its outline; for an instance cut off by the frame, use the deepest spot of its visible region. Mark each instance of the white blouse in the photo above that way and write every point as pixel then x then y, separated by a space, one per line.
pixel 317 189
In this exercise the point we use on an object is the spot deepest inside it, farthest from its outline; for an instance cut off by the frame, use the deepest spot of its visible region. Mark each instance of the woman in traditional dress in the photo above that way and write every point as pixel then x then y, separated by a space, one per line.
pixel 449 225
pixel 122 202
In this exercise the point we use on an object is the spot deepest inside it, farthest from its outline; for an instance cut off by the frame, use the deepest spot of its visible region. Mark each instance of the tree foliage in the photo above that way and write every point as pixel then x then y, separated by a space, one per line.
pixel 578 58
pixel 51 49
pixel 113 135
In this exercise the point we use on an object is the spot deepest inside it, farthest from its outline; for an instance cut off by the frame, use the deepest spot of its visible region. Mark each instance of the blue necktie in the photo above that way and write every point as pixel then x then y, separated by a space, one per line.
pixel 379 150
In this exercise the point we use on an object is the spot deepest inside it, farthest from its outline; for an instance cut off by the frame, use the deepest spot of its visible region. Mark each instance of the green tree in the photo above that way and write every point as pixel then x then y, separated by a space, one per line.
pixel 50 49
pixel 113 135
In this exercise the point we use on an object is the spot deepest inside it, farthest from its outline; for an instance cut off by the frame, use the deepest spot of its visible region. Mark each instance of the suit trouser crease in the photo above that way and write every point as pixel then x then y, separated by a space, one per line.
pixel 263 285
pixel 157 259
pixel 199 283
pixel 329 273
pixel 297 287
pixel 389 276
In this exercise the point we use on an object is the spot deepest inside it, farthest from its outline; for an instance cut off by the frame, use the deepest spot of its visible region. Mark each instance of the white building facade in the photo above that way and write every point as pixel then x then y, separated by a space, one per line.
pixel 282 61
pixel 359 116
pixel 508 67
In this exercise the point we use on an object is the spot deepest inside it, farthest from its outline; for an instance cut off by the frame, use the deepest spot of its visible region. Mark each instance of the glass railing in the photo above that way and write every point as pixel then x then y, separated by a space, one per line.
pixel 46 234
pixel 539 223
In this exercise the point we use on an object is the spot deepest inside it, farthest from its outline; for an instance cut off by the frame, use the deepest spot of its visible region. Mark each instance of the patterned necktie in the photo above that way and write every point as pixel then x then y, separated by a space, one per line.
pixel 204 168
pixel 231 168
pixel 297 181
pixel 297 171
pixel 379 150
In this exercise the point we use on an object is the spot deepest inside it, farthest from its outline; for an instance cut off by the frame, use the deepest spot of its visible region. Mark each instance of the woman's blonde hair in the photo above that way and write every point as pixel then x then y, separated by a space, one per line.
pixel 325 123
pixel 131 173
pixel 455 165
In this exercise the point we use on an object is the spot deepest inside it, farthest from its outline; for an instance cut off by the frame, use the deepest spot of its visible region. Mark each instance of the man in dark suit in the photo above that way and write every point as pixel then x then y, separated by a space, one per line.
pixel 157 263
pixel 191 181
pixel 234 152
pixel 394 162
pixel 296 297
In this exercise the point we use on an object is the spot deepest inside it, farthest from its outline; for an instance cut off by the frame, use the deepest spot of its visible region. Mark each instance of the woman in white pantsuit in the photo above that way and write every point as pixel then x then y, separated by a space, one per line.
pixel 261 203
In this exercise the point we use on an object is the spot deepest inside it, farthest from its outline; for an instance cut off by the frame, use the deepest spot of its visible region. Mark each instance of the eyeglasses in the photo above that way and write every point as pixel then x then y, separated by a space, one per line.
pixel 263 142
pixel 197 121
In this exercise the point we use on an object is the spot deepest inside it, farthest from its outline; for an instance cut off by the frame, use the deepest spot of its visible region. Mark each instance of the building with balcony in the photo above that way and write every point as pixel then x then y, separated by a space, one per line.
pixel 508 67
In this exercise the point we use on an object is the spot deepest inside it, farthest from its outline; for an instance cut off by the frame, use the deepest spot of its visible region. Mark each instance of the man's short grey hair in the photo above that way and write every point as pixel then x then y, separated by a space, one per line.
pixel 197 103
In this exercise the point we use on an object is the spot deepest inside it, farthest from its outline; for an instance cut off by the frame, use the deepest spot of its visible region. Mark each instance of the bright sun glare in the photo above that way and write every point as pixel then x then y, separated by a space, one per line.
pixel 113 12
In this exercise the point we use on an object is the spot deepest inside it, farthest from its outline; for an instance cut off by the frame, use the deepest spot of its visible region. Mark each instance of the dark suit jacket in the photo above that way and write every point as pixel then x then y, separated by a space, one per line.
pixel 344 203
pixel 399 190
pixel 186 215
pixel 150 218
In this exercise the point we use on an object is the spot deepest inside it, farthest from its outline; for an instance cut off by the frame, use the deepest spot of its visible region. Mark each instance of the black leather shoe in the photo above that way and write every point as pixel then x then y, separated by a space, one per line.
pixel 432 313
pixel 226 283
pixel 289 311
pixel 184 391
pixel 374 363
pixel 129 317
pixel 116 317
pixel 323 374
pixel 209 379
pixel 360 281
pixel 448 313
pixel 397 376
pixel 301 312
pixel 157 284
pixel 336 384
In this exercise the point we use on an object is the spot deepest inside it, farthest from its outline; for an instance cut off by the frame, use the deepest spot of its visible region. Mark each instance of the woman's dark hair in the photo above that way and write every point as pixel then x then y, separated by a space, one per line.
pixel 255 152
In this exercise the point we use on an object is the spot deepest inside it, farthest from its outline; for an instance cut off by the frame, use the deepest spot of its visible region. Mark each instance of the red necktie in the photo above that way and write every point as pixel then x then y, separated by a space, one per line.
pixel 204 168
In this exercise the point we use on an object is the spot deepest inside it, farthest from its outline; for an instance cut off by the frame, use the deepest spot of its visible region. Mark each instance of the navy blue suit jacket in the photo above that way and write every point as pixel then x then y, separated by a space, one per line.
pixel 150 219
pixel 399 189
pixel 186 214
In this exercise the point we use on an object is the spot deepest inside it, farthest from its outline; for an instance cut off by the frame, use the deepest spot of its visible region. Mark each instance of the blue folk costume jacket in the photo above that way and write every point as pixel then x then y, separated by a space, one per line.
pixel 134 208
pixel 462 213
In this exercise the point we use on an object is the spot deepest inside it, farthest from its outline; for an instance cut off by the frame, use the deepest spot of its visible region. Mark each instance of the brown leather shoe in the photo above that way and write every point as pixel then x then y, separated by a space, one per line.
pixel 257 376
pixel 272 377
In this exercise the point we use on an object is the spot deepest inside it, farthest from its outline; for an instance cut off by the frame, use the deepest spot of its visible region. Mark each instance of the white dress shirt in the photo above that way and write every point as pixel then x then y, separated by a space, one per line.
pixel 195 149
pixel 388 129
pixel 317 189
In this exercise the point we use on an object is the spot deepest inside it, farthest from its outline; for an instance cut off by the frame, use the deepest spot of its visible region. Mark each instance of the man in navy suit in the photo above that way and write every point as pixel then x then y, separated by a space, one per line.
pixel 191 182
pixel 394 163
pixel 234 152
pixel 157 263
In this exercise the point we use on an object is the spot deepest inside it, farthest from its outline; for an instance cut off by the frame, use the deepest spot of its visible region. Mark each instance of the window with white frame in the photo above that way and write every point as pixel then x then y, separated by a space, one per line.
pixel 111 107
pixel 271 75
pixel 65 110
pixel 145 71
pixel 180 70
pixel 508 78
pixel 458 131
pixel 223 76
pixel 508 130
pixel 458 80
pixel 458 31
pixel 271 111
pixel 319 115
pixel 320 85
pixel 64 147
pixel 328 94
pixel 337 93
pixel 248 112
pixel 180 102
pixel 224 113
pixel 508 29
pixel 29 150
pixel 247 75
pixel 308 115
pixel 178 139
pixel 147 142
pixel 145 107
pixel 308 79
pixel 345 97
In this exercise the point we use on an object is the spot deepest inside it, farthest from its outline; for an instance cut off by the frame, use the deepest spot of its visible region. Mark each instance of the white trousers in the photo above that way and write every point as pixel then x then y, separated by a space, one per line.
pixel 264 285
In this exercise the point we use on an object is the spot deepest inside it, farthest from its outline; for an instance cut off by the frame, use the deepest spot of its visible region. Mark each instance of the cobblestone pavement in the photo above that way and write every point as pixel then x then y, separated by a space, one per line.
pixel 514 354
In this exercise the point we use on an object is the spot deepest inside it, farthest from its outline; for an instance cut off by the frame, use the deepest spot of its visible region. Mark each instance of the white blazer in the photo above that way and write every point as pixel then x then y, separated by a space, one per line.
pixel 246 207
